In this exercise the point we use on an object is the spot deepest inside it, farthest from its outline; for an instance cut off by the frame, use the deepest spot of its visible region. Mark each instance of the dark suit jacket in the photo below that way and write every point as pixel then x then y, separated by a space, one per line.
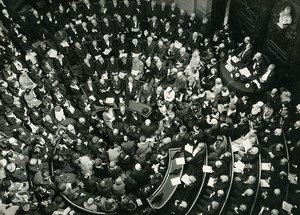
pixel 148 50
pixel 134 90
pixel 246 56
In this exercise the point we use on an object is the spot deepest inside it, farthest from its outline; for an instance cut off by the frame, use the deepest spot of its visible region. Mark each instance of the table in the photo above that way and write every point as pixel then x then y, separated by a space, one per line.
pixel 133 106
pixel 166 188
pixel 237 86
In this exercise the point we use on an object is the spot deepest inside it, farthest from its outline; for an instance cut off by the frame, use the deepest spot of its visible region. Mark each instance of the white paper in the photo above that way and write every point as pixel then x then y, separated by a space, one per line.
pixel 107 51
pixel 185 179
pixel 139 202
pixel 287 206
pixel 239 165
pixel 123 55
pixel 110 100
pixel 264 183
pixel 52 53
pixel 77 22
pixel 135 72
pixel 180 161
pixel 265 166
pixel 122 75
pixel 97 57
pixel 237 170
pixel 245 71
pixel 135 55
pixel 188 148
pixel 247 145
pixel 211 182
pixel 257 83
pixel 229 67
pixel 207 169
pixel 175 181
pixel 293 179
pixel 178 45
pixel 235 148
pixel 235 59
pixel 64 44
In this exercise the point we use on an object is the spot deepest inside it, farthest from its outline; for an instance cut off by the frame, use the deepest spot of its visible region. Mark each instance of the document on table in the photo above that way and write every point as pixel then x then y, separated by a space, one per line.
pixel 109 100
pixel 180 161
pixel 266 166
pixel 229 67
pixel 264 183
pixel 185 179
pixel 235 59
pixel 239 165
pixel 245 71
pixel 211 182
pixel 287 206
pixel 207 169
pixel 175 181
pixel 188 148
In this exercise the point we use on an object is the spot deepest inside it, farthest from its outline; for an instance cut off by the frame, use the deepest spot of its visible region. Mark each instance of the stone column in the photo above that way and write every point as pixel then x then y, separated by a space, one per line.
pixel 203 8
pixel 187 5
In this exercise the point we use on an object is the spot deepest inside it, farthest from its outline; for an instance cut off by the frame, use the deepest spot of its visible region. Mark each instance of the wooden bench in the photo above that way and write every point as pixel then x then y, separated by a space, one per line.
pixel 166 188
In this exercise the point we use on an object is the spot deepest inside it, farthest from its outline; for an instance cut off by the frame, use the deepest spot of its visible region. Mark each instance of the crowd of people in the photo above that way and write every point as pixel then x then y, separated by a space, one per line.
pixel 57 67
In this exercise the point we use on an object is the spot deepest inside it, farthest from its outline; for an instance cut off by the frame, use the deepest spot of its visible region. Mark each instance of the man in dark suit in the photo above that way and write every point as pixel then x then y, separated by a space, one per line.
pixel 149 47
pixel 193 42
pixel 107 27
pixel 268 76
pixel 160 50
pixel 167 33
pixel 80 51
pixel 147 129
pixel 247 54
pixel 182 58
pixel 258 64
pixel 193 23
pixel 131 90
pixel 154 27
pixel 180 36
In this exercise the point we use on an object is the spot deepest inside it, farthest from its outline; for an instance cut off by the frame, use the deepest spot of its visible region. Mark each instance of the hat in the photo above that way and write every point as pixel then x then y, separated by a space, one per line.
pixel 11 167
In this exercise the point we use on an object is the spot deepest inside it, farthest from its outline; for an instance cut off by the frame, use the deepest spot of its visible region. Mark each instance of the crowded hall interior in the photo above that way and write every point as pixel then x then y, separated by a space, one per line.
pixel 149 107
